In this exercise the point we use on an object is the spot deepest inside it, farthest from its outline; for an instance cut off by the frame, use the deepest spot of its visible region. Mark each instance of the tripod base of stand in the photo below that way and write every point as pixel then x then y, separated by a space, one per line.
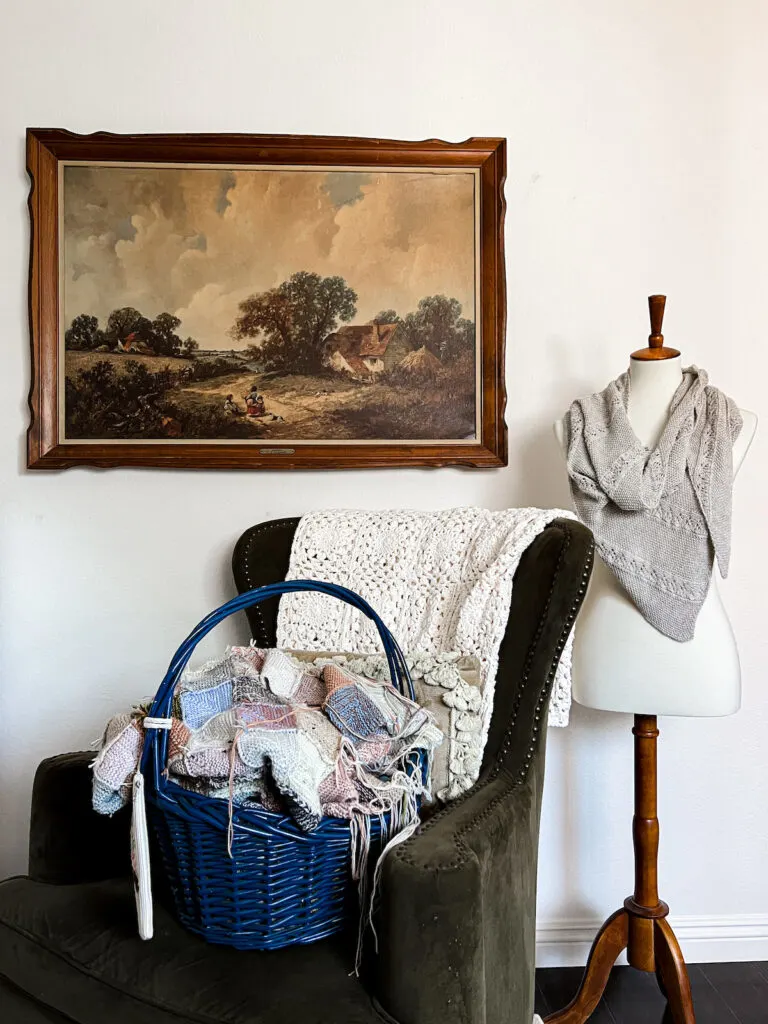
pixel 652 946
pixel 641 926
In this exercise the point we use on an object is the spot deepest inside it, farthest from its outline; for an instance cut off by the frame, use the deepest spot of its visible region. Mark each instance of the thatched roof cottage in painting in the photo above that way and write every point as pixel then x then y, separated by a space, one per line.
pixel 364 350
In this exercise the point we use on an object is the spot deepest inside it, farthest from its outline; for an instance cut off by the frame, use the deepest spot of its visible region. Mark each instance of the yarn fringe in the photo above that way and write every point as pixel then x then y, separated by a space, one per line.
pixel 396 804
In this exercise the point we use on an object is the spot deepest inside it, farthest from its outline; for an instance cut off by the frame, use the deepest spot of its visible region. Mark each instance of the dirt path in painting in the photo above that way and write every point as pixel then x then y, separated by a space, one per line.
pixel 306 406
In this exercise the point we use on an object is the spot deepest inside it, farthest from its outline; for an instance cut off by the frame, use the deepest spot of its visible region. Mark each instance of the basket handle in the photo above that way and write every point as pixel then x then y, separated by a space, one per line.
pixel 156 740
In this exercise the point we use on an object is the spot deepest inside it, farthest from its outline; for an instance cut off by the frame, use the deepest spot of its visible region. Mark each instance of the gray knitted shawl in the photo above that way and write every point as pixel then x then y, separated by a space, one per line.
pixel 659 516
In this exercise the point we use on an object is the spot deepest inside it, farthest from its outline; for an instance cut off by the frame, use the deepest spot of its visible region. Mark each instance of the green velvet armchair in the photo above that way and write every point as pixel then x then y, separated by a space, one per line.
pixel 456 921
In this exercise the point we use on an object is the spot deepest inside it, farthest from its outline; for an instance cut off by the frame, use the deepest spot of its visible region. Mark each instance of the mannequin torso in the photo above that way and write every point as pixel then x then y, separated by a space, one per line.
pixel 620 662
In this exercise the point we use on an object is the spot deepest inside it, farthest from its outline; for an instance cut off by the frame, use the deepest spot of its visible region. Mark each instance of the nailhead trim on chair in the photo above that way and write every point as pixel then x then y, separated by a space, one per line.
pixel 547 689
pixel 506 742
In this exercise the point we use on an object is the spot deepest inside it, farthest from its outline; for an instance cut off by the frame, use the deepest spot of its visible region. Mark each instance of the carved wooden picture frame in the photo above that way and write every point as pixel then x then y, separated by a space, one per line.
pixel 253 301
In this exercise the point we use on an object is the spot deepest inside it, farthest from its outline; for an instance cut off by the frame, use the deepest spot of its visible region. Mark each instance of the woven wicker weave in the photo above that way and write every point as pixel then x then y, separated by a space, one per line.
pixel 281 885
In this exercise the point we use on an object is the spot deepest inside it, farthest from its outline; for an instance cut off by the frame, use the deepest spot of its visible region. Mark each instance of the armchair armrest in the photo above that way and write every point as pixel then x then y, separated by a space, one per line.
pixel 457 918
pixel 68 841
pixel 456 923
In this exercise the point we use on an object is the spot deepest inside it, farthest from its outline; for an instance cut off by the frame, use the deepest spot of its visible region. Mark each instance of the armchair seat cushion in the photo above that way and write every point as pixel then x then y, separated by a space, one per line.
pixel 75 948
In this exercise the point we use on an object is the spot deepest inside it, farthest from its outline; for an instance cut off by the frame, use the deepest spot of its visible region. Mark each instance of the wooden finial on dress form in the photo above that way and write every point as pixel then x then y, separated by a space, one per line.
pixel 656 348
pixel 656 304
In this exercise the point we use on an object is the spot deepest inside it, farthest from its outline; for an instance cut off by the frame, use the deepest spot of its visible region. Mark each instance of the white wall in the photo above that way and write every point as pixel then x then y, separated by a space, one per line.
pixel 637 154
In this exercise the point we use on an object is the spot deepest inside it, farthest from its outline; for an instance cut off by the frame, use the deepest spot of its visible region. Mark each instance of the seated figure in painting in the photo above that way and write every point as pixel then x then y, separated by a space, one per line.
pixel 254 403
pixel 231 406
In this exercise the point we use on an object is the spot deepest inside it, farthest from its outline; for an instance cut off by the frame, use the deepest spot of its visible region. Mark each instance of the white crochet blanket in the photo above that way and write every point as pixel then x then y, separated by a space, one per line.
pixel 441 581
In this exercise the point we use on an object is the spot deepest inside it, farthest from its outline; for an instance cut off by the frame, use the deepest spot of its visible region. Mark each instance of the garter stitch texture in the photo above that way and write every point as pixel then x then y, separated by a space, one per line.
pixel 661 515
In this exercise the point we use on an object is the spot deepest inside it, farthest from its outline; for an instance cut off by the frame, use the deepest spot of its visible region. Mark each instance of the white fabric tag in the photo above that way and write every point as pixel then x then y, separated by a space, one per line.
pixel 142 879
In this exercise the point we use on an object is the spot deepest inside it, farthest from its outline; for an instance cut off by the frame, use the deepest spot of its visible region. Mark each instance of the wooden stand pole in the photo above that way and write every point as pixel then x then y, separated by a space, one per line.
pixel 641 926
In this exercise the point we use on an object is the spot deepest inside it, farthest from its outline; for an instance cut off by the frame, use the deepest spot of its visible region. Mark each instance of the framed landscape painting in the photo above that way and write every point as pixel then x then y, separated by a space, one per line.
pixel 250 301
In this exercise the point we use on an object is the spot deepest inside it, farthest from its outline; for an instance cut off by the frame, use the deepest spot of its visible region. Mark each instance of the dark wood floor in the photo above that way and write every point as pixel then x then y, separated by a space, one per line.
pixel 722 994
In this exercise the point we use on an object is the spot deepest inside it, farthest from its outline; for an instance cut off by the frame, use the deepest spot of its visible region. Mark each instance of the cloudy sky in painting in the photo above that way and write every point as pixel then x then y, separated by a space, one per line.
pixel 196 242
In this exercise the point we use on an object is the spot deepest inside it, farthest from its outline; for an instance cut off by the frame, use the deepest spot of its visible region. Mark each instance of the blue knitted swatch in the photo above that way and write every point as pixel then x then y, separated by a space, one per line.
pixel 354 714
pixel 197 706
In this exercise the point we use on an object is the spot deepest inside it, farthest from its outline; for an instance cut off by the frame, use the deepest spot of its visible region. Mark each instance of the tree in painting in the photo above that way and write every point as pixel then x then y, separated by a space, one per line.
pixel 293 320
pixel 437 325
pixel 127 321
pixel 159 334
pixel 163 337
pixel 387 316
pixel 83 333
pixel 157 337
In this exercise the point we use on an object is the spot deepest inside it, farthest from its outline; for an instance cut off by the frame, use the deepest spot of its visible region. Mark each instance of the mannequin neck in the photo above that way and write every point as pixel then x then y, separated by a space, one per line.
pixel 652 385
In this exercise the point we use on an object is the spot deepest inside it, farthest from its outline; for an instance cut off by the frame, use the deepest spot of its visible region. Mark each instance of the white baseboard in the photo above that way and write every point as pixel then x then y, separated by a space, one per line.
pixel 724 939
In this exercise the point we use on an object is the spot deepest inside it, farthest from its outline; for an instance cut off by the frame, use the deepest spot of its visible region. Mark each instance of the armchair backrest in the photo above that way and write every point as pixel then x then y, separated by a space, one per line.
pixel 550 584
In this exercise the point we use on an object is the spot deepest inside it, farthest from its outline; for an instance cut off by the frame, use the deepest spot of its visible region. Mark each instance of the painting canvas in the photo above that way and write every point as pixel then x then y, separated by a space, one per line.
pixel 269 306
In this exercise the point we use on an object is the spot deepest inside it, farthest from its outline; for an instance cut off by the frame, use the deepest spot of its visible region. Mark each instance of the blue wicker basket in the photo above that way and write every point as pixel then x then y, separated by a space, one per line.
pixel 280 886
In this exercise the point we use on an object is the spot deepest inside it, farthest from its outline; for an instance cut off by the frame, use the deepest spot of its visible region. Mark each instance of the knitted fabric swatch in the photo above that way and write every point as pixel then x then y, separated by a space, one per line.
pixel 295 764
pixel 246 664
pixel 350 708
pixel 116 762
pixel 284 676
pixel 197 706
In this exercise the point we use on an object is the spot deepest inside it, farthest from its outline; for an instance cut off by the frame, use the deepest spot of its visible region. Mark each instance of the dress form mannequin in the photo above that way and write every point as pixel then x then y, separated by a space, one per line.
pixel 701 677
pixel 622 663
